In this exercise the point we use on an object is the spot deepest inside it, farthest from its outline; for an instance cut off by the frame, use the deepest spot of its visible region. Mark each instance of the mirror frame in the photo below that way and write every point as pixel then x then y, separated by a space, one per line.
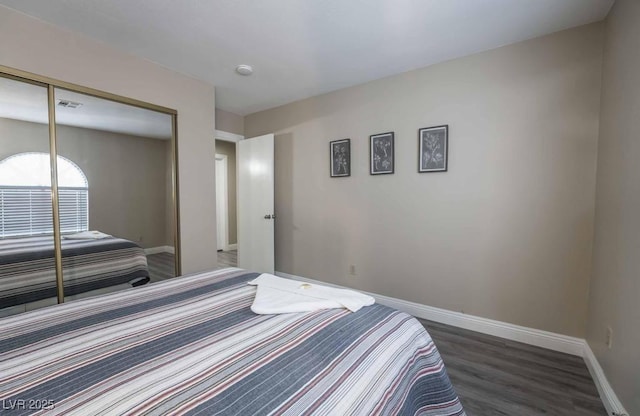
pixel 51 84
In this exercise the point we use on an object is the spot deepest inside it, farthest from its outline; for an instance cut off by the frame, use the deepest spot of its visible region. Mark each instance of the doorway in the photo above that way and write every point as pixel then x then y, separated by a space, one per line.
pixel 222 203
pixel 246 232
pixel 226 236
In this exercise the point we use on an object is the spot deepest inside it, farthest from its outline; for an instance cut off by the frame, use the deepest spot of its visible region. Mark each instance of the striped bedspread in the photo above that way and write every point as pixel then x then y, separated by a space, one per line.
pixel 27 267
pixel 191 345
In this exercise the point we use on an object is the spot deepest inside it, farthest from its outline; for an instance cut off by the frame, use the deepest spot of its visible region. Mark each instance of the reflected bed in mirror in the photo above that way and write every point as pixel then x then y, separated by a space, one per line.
pixel 91 266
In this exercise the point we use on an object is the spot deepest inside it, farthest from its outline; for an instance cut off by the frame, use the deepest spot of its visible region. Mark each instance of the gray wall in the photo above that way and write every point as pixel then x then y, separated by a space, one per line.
pixel 38 47
pixel 229 149
pixel 505 234
pixel 615 286
pixel 229 122
pixel 126 175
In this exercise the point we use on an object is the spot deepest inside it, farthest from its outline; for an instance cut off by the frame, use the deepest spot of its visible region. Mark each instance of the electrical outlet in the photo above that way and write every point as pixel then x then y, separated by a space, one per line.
pixel 609 337
pixel 352 270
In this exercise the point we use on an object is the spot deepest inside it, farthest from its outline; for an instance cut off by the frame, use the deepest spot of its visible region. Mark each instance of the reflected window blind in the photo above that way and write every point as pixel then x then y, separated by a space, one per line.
pixel 26 211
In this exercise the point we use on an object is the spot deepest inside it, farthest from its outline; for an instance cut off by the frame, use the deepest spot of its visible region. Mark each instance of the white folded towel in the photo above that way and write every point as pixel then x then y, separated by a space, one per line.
pixel 277 295
pixel 86 235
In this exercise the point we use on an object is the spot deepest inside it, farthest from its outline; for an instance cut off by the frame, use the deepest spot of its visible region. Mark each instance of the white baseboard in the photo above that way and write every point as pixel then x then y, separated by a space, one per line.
pixel 159 249
pixel 608 396
pixel 539 338
pixel 154 250
pixel 531 336
pixel 231 247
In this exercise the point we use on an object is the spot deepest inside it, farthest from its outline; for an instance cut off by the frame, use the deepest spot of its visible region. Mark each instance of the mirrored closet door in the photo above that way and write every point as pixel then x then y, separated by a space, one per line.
pixel 27 260
pixel 115 194
pixel 88 192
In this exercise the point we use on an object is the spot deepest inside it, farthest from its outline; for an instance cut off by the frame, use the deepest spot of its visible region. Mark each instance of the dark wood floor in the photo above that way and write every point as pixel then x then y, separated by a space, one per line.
pixel 161 266
pixel 494 376
pixel 227 258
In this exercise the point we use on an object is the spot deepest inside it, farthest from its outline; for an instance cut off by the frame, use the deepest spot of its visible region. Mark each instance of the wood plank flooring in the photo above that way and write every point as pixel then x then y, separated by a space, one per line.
pixel 227 258
pixel 494 376
pixel 161 266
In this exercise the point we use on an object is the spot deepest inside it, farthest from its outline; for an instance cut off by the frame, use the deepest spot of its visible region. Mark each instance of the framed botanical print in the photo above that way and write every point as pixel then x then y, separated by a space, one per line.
pixel 433 149
pixel 340 158
pixel 381 154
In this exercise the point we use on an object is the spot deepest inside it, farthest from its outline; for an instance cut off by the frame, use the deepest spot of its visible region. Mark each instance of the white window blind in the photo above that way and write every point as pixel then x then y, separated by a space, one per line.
pixel 25 196
pixel 74 210
pixel 27 211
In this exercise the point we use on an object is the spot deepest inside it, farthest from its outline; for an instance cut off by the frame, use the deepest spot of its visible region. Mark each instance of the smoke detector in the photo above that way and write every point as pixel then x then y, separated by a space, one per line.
pixel 68 104
pixel 245 70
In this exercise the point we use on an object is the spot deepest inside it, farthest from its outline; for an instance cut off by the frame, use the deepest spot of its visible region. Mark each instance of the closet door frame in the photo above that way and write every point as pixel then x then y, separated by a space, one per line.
pixel 51 84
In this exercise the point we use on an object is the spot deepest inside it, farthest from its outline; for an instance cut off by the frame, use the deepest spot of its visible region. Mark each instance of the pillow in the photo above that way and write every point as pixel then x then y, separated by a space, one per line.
pixel 86 235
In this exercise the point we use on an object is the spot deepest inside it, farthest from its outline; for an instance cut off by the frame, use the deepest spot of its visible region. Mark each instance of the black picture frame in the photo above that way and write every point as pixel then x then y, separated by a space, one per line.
pixel 340 158
pixel 433 149
pixel 382 154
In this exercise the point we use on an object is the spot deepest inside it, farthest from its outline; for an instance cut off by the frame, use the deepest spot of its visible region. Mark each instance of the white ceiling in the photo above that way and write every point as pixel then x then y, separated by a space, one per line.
pixel 27 102
pixel 302 48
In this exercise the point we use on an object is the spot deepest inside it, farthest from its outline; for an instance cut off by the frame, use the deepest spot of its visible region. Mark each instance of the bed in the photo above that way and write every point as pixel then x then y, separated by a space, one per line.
pixel 191 345
pixel 27 267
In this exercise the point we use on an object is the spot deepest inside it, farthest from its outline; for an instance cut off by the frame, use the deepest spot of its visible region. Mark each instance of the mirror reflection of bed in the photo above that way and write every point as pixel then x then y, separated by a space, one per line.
pixel 94 263
pixel 115 196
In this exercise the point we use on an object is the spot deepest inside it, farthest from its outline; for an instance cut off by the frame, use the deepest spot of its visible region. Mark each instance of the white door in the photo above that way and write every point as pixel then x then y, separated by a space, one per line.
pixel 221 201
pixel 255 204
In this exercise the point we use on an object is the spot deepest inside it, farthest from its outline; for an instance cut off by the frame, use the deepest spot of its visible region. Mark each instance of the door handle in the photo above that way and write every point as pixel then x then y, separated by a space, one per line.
pixel 270 217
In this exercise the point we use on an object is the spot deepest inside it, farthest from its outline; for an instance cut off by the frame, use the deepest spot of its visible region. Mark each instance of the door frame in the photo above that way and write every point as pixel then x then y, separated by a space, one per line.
pixel 228 137
pixel 223 159
pixel 233 138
